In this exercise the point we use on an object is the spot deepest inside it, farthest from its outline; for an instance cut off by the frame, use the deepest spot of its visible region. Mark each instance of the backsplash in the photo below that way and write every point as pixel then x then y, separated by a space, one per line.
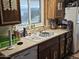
pixel 4 30
pixel 4 37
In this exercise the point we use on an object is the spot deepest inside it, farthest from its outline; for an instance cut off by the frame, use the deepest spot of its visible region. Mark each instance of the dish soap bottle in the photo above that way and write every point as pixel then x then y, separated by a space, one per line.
pixel 24 32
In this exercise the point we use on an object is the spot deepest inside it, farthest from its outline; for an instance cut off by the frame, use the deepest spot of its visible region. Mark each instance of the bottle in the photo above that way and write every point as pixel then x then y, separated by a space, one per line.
pixel 10 38
pixel 24 32
pixel 17 35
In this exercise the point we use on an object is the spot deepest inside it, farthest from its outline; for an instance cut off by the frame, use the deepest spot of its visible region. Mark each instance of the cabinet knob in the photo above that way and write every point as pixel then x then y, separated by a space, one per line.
pixel 26 54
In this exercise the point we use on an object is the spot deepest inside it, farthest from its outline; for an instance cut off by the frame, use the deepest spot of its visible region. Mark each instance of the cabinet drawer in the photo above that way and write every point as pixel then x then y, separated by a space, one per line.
pixel 48 43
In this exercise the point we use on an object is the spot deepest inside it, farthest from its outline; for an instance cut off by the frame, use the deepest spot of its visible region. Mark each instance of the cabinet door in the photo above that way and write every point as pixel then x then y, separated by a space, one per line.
pixel 28 54
pixel 60 9
pixel 69 45
pixel 51 8
pixel 62 45
pixel 44 54
pixel 54 9
pixel 31 54
pixel 55 51
pixel 62 49
pixel 10 12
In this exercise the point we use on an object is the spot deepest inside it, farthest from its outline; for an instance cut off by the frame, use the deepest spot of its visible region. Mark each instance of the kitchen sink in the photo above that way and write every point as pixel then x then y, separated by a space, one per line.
pixel 38 36
pixel 34 38
pixel 46 34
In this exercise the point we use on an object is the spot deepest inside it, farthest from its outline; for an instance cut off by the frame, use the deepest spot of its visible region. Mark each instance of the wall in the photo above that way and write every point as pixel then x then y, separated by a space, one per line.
pixel 4 30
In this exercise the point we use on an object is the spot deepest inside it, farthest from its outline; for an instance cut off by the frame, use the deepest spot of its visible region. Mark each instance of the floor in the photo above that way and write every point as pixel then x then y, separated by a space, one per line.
pixel 75 56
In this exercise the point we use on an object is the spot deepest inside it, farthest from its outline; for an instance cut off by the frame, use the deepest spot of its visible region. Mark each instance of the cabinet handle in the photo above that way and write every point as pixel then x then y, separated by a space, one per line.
pixel 26 54
pixel 55 54
pixel 46 58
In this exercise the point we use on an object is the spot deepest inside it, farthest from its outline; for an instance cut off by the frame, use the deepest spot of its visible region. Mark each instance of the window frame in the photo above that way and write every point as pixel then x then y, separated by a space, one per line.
pixel 20 27
pixel 42 14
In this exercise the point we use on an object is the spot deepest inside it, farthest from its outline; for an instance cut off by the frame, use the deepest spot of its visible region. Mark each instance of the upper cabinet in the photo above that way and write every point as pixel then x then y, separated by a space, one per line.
pixel 51 8
pixel 54 9
pixel 9 12
pixel 60 9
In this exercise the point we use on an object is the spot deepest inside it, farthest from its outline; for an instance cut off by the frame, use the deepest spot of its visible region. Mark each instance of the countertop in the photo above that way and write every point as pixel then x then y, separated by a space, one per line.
pixel 29 43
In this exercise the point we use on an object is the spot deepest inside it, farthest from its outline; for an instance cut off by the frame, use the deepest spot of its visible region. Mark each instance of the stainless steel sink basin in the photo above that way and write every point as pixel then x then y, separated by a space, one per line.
pixel 40 36
pixel 46 34
pixel 35 38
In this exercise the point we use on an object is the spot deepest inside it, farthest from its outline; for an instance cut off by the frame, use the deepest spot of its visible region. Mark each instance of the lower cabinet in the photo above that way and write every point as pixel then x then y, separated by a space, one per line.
pixel 62 46
pixel 54 48
pixel 50 52
pixel 49 49
pixel 45 54
pixel 55 52
pixel 69 46
pixel 28 54
pixel 69 43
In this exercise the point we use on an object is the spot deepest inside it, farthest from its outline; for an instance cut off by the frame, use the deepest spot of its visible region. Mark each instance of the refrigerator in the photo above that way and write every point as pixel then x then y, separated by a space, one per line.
pixel 72 13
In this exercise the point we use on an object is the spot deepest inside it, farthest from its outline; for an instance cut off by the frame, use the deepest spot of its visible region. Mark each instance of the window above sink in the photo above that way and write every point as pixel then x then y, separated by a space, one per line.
pixel 32 13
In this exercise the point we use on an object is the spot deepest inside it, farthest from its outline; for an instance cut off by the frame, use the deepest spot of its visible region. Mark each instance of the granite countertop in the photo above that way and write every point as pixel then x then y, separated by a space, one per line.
pixel 30 43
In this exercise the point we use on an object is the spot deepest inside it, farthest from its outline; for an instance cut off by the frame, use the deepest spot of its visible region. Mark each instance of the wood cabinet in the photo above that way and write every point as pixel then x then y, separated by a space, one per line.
pixel 62 45
pixel 54 9
pixel 55 48
pixel 66 44
pixel 9 12
pixel 28 54
pixel 44 54
pixel 60 9
pixel 55 51
pixel 69 43
pixel 51 8
pixel 49 49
